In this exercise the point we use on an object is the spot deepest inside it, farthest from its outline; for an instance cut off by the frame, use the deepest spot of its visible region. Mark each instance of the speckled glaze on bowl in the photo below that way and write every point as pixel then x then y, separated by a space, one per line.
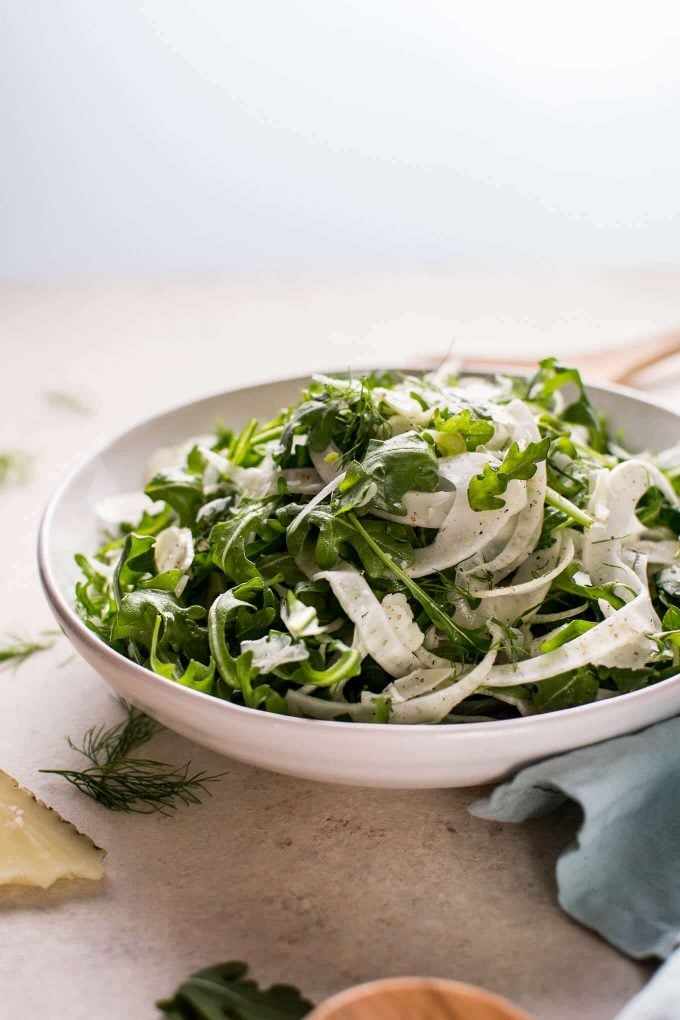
pixel 360 754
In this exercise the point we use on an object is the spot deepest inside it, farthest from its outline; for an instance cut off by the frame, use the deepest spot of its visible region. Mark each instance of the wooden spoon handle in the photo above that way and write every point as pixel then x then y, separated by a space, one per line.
pixel 621 363
pixel 618 364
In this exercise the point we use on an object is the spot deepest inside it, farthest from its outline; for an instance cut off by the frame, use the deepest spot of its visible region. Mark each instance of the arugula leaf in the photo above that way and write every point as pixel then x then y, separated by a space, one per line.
pixel 484 490
pixel 136 560
pixel 337 538
pixel 671 624
pixel 571 630
pixel 457 635
pixel 552 377
pixel 180 490
pixel 553 520
pixel 182 630
pixel 347 665
pixel 240 445
pixel 473 432
pixel 389 469
pixel 339 415
pixel 667 583
pixel 577 687
pixel 148 524
pixel 234 615
pixel 565 582
pixel 223 992
pixel 655 511
pixel 197 676
pixel 229 540
pixel 626 680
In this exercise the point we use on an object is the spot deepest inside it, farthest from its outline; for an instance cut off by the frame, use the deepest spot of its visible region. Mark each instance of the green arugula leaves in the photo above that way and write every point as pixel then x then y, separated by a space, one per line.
pixel 655 511
pixel 486 489
pixel 181 491
pixel 340 415
pixel 224 992
pixel 246 618
pixel 550 378
pixel 389 469
pixel 455 433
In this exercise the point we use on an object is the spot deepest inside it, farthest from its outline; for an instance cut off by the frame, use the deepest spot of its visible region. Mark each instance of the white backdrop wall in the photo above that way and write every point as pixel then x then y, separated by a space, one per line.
pixel 208 135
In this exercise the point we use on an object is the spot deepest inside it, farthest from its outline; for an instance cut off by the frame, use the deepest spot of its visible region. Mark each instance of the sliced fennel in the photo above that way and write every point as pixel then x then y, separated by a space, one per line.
pixel 404 550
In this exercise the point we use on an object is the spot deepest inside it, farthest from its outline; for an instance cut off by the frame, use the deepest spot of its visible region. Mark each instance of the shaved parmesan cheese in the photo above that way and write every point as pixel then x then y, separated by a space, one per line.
pixel 174 549
pixel 274 650
pixel 37 846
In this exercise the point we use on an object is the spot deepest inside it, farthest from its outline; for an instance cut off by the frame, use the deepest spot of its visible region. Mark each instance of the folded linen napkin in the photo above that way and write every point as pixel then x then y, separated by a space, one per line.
pixel 621 876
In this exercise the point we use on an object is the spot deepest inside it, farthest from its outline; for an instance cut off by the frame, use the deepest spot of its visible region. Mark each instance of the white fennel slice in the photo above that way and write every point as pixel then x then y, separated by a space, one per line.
pixel 37 845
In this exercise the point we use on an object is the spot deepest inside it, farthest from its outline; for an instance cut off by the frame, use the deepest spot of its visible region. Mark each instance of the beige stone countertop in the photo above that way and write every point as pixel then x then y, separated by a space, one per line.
pixel 321 886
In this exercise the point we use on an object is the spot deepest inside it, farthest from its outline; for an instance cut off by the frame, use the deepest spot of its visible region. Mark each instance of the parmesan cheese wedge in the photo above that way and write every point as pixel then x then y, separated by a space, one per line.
pixel 37 846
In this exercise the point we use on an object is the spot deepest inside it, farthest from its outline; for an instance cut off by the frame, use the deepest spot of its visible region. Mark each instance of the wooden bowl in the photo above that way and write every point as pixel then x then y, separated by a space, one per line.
pixel 416 999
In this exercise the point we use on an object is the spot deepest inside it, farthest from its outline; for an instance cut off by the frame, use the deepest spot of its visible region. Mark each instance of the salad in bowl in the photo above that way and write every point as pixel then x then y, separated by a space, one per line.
pixel 401 549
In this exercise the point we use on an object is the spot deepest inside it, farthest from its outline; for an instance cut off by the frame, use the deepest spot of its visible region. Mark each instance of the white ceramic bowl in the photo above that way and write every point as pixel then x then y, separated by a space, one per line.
pixel 361 754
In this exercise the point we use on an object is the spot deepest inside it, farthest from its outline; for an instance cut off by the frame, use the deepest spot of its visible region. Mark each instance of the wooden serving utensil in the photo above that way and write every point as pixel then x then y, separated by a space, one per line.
pixel 616 364
pixel 417 999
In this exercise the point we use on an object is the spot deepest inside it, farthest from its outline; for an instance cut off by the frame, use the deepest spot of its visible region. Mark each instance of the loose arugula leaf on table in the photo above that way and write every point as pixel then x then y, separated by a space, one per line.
pixel 389 469
pixel 224 992
pixel 485 490
pixel 123 783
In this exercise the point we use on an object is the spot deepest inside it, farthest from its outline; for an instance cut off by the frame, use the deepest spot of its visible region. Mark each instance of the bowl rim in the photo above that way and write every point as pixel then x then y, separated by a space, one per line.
pixel 68 618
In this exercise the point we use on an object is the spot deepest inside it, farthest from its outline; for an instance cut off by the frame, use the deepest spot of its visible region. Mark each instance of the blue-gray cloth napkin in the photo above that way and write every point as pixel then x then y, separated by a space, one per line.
pixel 621 876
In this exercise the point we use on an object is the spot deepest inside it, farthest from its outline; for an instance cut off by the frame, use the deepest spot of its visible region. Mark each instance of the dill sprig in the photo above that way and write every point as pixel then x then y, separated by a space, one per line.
pixel 68 402
pixel 17 650
pixel 123 783
pixel 15 467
